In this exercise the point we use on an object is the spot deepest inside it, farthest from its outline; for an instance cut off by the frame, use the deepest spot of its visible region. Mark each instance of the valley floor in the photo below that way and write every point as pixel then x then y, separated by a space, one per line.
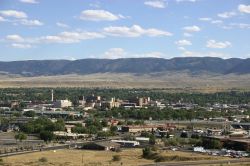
pixel 176 82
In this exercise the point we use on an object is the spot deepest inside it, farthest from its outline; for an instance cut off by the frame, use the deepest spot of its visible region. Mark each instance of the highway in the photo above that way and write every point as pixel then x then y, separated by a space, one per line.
pixel 185 122
pixel 205 162
pixel 65 146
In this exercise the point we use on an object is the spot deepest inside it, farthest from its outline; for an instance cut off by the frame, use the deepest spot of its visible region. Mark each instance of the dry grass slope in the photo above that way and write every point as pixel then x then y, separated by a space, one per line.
pixel 130 157
pixel 169 81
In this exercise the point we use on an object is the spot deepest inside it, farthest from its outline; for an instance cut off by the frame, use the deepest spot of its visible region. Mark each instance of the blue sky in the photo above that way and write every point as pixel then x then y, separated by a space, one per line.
pixel 78 29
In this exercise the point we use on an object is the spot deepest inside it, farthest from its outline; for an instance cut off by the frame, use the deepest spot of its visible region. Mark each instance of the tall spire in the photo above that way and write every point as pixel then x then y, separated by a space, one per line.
pixel 52 95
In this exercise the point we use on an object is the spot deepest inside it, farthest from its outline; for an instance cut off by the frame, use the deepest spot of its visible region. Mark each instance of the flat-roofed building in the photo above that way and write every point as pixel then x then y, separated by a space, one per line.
pixel 62 103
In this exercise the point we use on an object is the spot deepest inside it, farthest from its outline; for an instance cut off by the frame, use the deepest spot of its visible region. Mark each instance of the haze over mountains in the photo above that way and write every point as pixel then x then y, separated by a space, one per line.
pixel 194 65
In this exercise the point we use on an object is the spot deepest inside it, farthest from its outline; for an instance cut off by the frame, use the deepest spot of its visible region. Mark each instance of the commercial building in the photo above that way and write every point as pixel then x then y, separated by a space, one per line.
pixel 62 104
pixel 102 145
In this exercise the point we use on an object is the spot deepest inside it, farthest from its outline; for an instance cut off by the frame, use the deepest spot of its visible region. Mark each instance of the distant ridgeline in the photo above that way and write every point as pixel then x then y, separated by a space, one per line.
pixel 128 65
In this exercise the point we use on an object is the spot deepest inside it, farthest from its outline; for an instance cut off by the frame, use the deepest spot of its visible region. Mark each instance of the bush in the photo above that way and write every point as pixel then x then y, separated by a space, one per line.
pixel 79 129
pixel 160 158
pixel 29 114
pixel 146 152
pixel 195 136
pixel 43 160
pixel 152 139
pixel 20 136
pixel 196 142
pixel 184 135
pixel 211 144
pixel 154 148
pixel 118 150
pixel 171 142
pixel 47 136
pixel 116 158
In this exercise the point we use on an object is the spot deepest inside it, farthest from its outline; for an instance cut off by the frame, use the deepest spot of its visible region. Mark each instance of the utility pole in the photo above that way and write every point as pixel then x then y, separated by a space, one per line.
pixel 82 159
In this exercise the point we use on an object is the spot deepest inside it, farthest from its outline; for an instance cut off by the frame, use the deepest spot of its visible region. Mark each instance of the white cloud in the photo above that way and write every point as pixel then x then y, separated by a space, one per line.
pixel 19 17
pixel 70 58
pixel 70 37
pixel 216 22
pixel 205 19
pixel 115 53
pixel 182 48
pixel 78 36
pixel 14 38
pixel 22 46
pixel 13 13
pixel 156 3
pixel 227 14
pixel 186 0
pixel 99 15
pixel 134 31
pixel 215 44
pixel 29 1
pixel 205 54
pixel 193 28
pixel 187 34
pixel 64 37
pixel 240 25
pixel 2 19
pixel 62 25
pixel 153 55
pixel 31 22
pixel 244 8
pixel 183 43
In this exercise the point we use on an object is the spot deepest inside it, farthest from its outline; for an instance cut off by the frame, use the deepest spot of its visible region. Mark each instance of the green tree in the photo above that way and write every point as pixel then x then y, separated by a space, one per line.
pixel 211 143
pixel 20 136
pixel 79 129
pixel 152 139
pixel 113 129
pixel 92 129
pixel 29 114
pixel 47 136
pixel 59 125
pixel 104 123
pixel 17 114
pixel 103 134
pixel 184 135
pixel 146 152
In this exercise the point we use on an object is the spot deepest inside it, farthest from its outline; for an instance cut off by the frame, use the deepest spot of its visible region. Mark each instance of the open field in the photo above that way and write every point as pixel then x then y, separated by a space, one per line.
pixel 129 157
pixel 169 81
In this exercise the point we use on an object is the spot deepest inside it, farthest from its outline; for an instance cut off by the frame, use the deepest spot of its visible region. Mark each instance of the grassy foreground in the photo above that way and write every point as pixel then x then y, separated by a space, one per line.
pixel 129 157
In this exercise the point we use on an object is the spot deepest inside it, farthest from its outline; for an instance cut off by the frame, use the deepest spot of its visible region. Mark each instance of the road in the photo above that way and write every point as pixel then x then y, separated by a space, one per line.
pixel 65 146
pixel 185 122
pixel 205 162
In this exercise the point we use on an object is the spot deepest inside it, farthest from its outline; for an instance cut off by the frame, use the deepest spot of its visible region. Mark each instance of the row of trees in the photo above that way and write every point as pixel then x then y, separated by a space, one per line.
pixel 43 94
pixel 95 126
pixel 163 114
pixel 43 127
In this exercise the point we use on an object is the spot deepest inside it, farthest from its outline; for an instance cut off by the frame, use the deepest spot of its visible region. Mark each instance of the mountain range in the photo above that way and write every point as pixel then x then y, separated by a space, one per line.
pixel 194 65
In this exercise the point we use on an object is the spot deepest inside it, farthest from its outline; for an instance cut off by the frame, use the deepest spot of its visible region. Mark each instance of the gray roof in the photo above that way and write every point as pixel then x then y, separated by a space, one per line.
pixel 107 144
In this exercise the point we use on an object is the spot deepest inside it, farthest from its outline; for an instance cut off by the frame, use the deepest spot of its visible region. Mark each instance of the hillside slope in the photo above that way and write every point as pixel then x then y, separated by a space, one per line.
pixel 130 65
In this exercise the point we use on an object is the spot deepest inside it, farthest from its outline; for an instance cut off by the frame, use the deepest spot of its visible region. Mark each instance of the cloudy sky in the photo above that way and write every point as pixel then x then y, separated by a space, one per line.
pixel 77 29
